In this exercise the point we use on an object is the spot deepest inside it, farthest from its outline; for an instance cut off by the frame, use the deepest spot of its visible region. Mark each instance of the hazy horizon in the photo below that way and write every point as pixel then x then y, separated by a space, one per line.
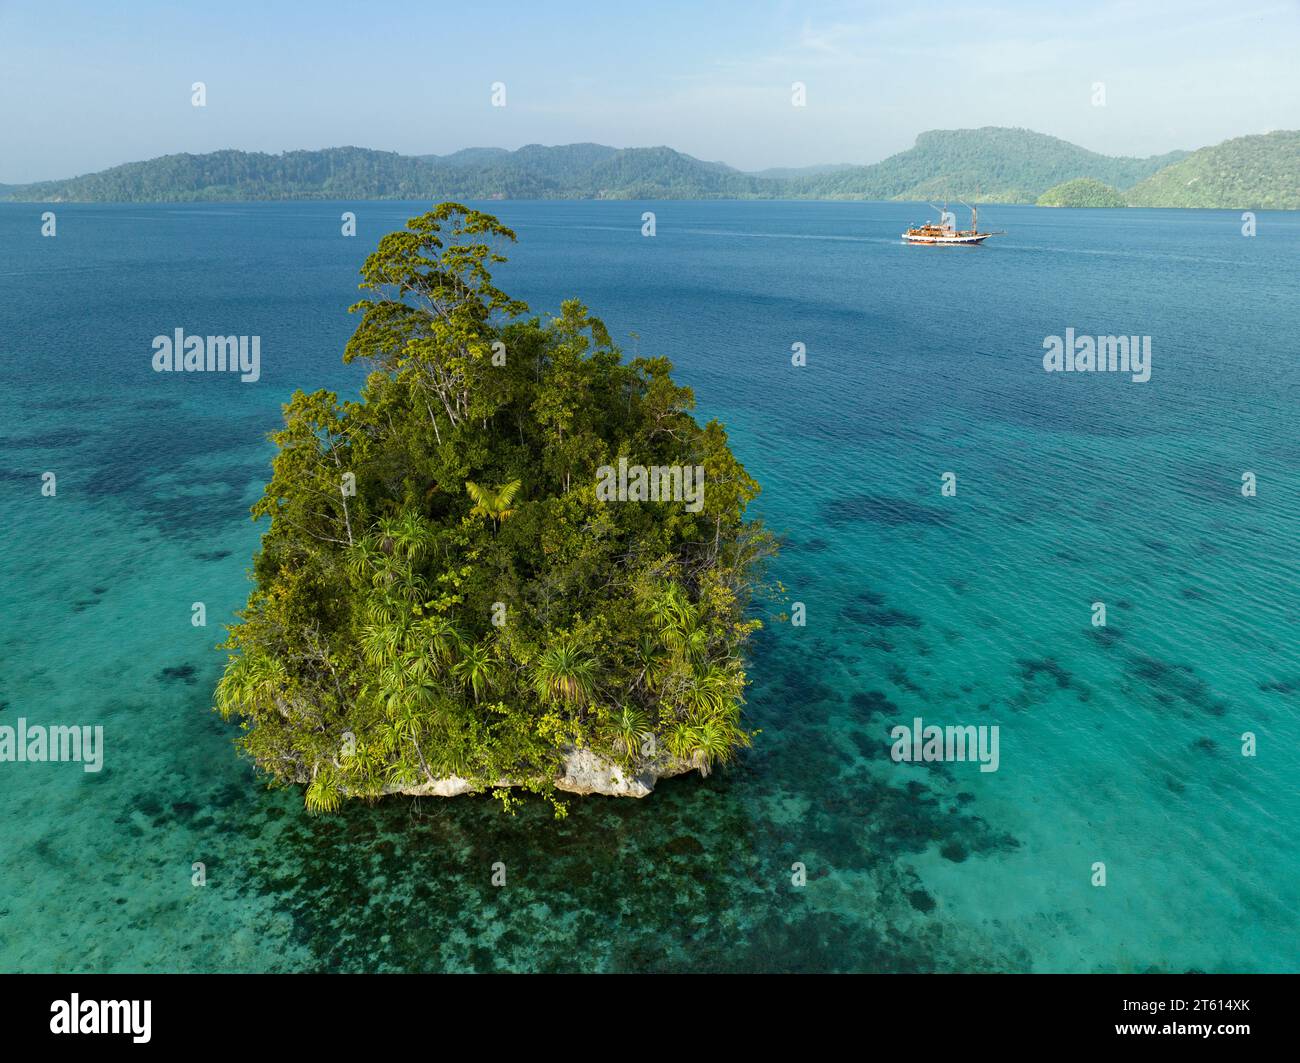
pixel 90 89
pixel 828 163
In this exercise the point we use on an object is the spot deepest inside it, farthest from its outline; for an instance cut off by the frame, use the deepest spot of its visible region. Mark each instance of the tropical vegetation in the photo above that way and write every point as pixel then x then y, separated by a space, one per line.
pixel 1082 192
pixel 992 164
pixel 441 593
pixel 1257 171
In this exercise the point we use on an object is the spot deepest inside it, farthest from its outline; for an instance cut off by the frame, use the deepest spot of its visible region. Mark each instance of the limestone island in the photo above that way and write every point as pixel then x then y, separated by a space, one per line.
pixel 517 561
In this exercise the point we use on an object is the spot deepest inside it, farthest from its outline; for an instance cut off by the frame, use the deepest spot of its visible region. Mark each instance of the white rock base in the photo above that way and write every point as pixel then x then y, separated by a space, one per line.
pixel 582 772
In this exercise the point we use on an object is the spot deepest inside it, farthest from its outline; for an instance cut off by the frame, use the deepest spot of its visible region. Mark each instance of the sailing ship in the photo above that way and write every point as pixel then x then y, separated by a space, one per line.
pixel 946 231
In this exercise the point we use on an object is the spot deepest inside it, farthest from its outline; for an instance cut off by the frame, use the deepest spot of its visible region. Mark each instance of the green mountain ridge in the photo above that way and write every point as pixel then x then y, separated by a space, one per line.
pixel 785 173
pixel 1255 171
pixel 993 164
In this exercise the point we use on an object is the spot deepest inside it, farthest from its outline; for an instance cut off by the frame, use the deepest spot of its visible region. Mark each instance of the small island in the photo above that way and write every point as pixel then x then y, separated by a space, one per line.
pixel 1082 192
pixel 516 561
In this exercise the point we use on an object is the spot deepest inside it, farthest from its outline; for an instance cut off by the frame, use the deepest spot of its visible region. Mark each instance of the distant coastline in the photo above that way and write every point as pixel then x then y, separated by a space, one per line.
pixel 992 164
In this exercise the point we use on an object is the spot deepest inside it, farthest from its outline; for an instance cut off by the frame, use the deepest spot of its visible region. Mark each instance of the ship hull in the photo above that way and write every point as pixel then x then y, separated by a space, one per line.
pixel 978 239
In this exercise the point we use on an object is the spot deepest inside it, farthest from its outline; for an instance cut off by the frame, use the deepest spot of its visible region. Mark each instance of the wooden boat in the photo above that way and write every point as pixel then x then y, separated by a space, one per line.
pixel 946 231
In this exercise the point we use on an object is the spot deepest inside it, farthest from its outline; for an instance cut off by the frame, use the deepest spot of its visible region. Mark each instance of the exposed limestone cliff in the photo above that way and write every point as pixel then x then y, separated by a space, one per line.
pixel 582 772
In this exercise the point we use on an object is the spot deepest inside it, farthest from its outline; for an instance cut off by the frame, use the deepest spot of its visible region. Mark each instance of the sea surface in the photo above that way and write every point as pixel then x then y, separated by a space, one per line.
pixel 1120 745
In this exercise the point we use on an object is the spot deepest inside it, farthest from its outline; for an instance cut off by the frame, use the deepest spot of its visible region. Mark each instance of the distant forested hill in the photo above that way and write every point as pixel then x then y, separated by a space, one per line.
pixel 1082 192
pixel 1258 171
pixel 571 171
pixel 998 165
pixel 334 173
pixel 784 173
pixel 647 173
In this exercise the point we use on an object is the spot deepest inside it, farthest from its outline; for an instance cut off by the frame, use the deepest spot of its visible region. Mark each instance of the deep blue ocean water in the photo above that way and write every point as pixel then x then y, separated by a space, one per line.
pixel 1120 745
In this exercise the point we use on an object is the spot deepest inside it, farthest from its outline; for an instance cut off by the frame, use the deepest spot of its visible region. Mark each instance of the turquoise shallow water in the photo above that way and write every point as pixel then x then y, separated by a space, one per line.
pixel 1119 745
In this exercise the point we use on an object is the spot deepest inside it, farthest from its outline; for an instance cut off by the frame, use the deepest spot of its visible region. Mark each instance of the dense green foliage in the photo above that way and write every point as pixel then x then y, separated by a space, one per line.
pixel 584 171
pixel 1082 192
pixel 1259 171
pixel 993 163
pixel 441 591
pixel 572 171
pixel 335 173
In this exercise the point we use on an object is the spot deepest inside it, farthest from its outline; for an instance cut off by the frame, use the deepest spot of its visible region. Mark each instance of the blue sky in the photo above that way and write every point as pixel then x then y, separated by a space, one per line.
pixel 85 86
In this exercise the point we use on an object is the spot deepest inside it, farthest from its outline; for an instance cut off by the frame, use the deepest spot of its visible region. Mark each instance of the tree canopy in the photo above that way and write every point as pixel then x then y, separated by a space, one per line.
pixel 441 591
pixel 1082 192
pixel 1247 172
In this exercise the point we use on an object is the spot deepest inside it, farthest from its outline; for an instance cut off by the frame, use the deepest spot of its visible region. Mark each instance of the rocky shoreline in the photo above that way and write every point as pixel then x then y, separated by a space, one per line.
pixel 582 772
